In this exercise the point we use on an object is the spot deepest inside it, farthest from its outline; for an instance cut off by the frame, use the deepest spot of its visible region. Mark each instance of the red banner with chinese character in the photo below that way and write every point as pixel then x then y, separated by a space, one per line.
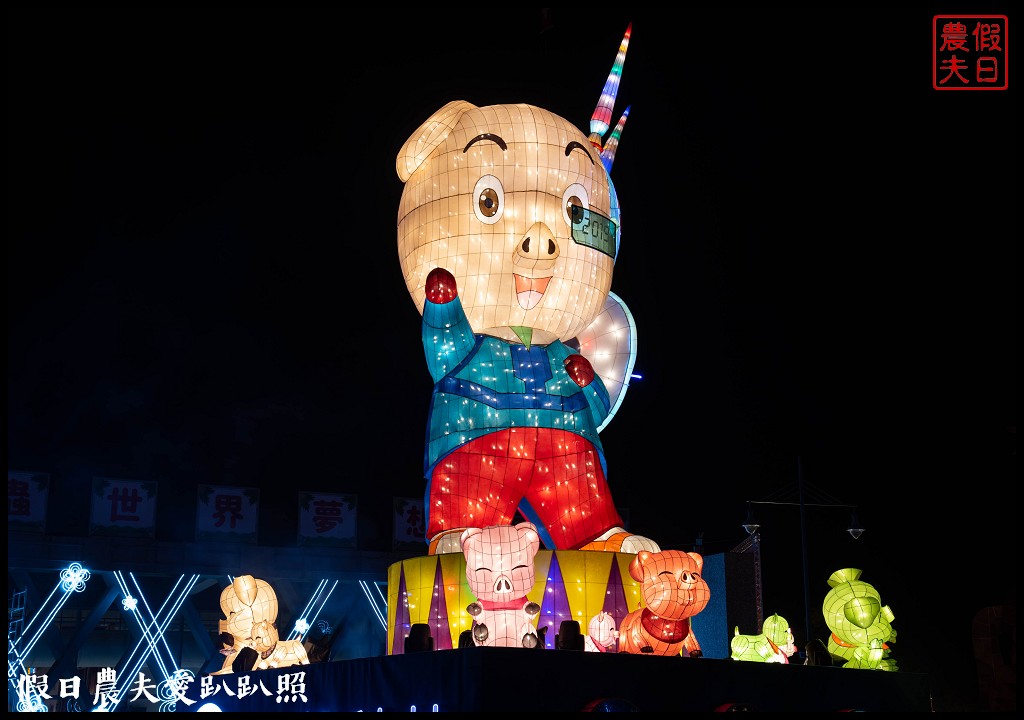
pixel 327 519
pixel 27 494
pixel 126 508
pixel 227 513
pixel 409 525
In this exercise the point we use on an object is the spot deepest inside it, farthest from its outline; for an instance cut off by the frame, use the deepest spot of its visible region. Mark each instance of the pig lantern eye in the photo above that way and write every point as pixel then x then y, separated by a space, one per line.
pixel 574 202
pixel 488 199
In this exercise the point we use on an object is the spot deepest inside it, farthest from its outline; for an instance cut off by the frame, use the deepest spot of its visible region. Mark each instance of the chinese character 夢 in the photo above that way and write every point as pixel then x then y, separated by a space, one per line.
pixel 326 515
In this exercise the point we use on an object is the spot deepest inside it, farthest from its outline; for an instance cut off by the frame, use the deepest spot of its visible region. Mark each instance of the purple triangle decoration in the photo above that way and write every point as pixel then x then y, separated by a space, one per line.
pixel 438 621
pixel 401 617
pixel 555 607
pixel 615 598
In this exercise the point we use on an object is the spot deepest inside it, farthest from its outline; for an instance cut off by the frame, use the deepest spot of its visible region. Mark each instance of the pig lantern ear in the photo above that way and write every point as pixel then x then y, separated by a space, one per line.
pixel 467 534
pixel 529 531
pixel 636 568
pixel 428 136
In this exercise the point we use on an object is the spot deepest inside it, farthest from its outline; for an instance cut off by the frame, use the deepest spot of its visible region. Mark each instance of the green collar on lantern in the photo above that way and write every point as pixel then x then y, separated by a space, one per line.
pixel 523 333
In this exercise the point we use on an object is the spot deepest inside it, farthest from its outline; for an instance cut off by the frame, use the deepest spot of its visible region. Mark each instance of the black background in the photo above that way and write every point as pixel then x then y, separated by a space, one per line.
pixel 818 250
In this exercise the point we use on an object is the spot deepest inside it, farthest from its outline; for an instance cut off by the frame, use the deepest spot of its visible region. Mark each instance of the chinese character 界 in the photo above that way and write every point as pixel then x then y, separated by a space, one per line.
pixel 227 504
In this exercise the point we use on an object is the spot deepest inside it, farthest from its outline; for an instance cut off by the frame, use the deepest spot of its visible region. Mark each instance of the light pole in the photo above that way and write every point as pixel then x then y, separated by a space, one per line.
pixel 820 499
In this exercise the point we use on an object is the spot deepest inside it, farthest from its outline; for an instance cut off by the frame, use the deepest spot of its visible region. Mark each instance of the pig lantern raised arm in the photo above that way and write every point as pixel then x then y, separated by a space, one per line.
pixel 508 228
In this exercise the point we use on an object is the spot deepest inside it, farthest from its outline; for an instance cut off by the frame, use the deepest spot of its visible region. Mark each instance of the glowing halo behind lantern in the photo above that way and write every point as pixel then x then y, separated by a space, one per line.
pixel 609 343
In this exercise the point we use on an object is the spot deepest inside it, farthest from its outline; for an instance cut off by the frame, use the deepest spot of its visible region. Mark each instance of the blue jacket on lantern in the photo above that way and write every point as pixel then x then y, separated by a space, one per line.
pixel 483 384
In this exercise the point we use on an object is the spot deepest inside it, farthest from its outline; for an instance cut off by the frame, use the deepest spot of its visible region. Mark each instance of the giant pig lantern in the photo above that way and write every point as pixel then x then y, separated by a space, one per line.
pixel 508 230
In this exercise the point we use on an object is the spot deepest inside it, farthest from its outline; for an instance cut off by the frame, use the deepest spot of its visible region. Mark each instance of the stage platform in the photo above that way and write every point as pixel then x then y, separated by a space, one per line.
pixel 497 679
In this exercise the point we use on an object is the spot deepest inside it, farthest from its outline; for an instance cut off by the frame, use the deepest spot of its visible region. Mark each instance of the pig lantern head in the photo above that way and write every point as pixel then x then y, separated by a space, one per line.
pixel 499 560
pixel 500 572
pixel 517 203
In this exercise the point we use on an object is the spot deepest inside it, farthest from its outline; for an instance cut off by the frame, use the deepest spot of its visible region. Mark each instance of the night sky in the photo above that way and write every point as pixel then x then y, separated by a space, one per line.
pixel 818 249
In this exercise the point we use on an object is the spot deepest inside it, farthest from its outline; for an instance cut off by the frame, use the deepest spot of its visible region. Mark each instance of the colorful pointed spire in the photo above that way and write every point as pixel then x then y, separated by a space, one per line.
pixel 608 154
pixel 602 117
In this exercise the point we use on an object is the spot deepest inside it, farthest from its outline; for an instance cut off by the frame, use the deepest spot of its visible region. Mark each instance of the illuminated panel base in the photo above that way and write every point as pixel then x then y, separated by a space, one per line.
pixel 571 584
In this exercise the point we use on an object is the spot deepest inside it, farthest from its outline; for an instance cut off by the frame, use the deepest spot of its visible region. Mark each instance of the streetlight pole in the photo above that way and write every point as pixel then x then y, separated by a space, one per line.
pixel 803 551
pixel 751 526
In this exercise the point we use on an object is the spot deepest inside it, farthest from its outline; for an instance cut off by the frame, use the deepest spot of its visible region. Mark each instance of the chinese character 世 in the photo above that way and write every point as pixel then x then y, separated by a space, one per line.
pixel 129 502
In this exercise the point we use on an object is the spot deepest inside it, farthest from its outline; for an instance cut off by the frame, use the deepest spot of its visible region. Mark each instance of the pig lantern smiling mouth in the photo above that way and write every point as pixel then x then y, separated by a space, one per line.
pixel 529 291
